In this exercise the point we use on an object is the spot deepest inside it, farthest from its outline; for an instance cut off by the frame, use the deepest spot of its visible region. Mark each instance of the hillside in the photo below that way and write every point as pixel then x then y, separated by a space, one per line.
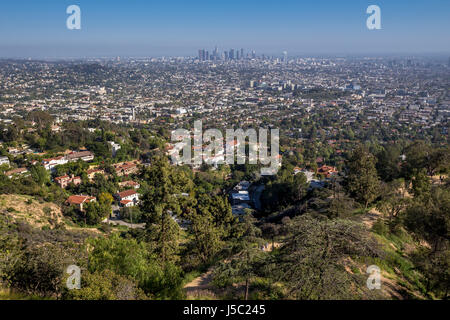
pixel 39 214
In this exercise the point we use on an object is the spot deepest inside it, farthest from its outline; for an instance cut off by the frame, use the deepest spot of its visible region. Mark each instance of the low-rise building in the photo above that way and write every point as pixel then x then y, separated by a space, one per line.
pixel 16 172
pixel 92 172
pixel 4 160
pixel 81 155
pixel 64 181
pixel 127 198
pixel 50 163
pixel 79 201
pixel 126 168
pixel 129 184
pixel 327 171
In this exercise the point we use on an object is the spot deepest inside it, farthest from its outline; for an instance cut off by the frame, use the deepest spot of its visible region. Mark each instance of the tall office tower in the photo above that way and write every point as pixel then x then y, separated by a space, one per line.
pixel 225 55
pixel 207 55
pixel 242 54
pixel 201 54
pixel 237 55
pixel 285 56
pixel 216 53
pixel 231 54
pixel 253 54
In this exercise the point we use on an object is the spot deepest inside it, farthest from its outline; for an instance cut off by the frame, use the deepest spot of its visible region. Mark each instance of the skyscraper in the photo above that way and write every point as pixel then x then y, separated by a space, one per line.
pixel 231 54
pixel 201 54
pixel 242 54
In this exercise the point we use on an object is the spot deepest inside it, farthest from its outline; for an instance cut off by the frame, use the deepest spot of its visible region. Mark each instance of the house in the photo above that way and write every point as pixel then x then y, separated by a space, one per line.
pixel 242 186
pixel 92 172
pixel 240 197
pixel 50 163
pixel 15 172
pixel 327 171
pixel 4 160
pixel 127 198
pixel 81 155
pixel 126 168
pixel 129 184
pixel 79 200
pixel 114 147
pixel 64 181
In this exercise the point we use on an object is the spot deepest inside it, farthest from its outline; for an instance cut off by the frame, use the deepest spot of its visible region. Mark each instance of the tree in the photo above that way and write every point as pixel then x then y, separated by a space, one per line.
pixel 41 118
pixel 41 269
pixel 135 260
pixel 10 252
pixel 421 186
pixel 207 237
pixel 393 202
pixel 362 180
pixel 39 174
pixel 241 266
pixel 105 285
pixel 105 200
pixel 163 231
pixel 436 270
pixel 430 220
pixel 271 230
pixel 161 204
pixel 388 164
pixel 311 262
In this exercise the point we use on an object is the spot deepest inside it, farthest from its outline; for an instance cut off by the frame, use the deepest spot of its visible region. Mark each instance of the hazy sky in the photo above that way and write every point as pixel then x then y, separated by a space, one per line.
pixel 35 28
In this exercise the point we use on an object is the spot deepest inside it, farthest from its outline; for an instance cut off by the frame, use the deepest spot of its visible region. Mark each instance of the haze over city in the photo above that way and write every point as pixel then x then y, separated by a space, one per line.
pixel 178 28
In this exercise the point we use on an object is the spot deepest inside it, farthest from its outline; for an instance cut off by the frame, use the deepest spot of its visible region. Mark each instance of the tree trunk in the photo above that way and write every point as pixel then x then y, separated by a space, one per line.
pixel 246 289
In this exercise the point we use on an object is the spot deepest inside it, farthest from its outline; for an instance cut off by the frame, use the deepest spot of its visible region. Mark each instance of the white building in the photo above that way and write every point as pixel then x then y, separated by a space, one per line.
pixel 4 160
pixel 115 147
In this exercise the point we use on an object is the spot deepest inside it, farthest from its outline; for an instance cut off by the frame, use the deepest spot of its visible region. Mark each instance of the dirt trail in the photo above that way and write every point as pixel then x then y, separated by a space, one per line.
pixel 202 282
pixel 371 217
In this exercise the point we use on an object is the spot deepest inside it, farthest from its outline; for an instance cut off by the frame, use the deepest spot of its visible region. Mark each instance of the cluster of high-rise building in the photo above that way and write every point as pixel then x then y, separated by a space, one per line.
pixel 231 54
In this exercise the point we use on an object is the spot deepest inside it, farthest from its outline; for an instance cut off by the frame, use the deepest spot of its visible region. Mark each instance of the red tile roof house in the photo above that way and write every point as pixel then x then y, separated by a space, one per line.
pixel 129 184
pixel 14 172
pixel 79 200
pixel 327 171
pixel 127 198
pixel 125 168
pixel 64 181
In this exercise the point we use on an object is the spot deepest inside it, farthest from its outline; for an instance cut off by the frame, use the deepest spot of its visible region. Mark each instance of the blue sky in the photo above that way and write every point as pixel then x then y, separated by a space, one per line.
pixel 32 28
